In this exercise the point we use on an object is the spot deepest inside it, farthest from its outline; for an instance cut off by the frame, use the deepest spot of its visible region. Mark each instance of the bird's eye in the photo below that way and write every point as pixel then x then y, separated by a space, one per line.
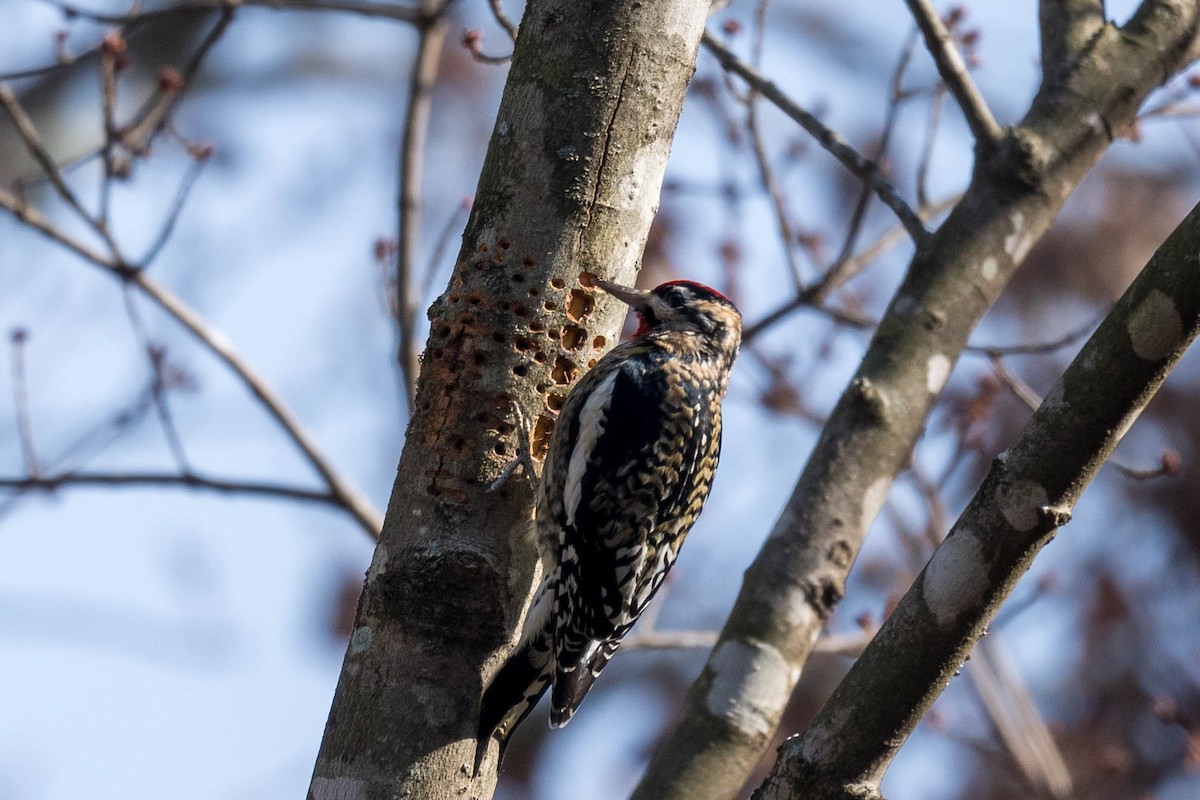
pixel 675 298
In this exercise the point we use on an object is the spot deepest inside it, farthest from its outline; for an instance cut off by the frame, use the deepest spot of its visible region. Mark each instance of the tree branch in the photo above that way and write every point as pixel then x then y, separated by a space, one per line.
pixel 215 342
pixel 570 184
pixel 187 480
pixel 1028 494
pixel 954 73
pixel 955 276
pixel 431 36
pixel 364 8
pixel 832 141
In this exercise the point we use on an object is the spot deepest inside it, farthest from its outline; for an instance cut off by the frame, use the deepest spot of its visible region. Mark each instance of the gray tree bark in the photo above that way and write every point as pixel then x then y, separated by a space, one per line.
pixel 570 184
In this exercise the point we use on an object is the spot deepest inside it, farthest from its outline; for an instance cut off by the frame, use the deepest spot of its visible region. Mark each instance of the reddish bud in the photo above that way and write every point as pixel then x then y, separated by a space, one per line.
pixel 1172 462
pixel 472 39
pixel 732 27
pixel 113 43
pixel 201 151
pixel 169 80
pixel 385 248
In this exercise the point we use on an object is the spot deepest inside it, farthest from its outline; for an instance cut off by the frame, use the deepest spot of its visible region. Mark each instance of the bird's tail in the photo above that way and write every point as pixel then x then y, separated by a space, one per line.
pixel 521 682
pixel 512 694
pixel 571 687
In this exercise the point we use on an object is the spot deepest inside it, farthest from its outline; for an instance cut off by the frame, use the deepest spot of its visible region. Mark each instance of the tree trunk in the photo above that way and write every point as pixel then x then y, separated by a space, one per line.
pixel 570 184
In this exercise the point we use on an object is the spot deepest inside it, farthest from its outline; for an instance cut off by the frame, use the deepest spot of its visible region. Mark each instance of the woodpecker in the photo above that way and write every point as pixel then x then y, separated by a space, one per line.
pixel 628 469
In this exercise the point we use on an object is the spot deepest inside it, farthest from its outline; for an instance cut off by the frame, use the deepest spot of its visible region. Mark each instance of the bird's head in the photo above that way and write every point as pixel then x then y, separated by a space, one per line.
pixel 681 306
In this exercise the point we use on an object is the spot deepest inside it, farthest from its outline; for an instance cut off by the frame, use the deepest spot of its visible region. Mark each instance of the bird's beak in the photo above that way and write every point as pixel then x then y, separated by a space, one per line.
pixel 637 299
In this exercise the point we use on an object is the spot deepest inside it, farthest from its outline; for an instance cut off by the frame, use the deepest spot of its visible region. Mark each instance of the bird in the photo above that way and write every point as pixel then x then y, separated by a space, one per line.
pixel 628 469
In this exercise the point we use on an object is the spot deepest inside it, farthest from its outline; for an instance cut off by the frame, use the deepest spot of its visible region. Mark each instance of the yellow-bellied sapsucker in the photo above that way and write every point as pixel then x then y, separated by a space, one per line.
pixel 628 469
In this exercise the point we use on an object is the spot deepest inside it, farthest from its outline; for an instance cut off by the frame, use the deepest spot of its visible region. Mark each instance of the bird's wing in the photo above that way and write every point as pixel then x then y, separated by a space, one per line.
pixel 634 449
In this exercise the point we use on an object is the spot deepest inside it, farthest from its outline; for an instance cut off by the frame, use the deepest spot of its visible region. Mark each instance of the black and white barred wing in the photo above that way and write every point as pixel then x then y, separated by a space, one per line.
pixel 631 477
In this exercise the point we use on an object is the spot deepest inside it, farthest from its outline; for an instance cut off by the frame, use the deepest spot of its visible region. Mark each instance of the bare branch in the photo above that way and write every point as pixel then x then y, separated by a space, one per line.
pixel 1169 464
pixel 765 171
pixel 168 224
pixel 159 385
pixel 954 72
pixel 898 96
pixel 36 220
pixel 152 118
pixel 849 644
pixel 213 340
pixel 1016 719
pixel 1037 348
pixel 502 18
pixel 133 21
pixel 412 162
pixel 815 296
pixel 188 480
pixel 1020 389
pixel 832 141
pixel 936 102
pixel 17 339
pixel 402 13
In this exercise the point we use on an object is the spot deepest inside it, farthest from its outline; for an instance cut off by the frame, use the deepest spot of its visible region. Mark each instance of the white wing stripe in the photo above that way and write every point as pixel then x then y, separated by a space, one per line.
pixel 591 424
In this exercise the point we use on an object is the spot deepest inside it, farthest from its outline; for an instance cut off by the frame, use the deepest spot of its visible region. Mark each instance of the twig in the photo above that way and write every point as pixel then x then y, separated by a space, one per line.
pixel 850 644
pixel 188 480
pixel 815 295
pixel 361 7
pixel 21 403
pixel 1169 464
pixel 670 640
pixel 854 229
pixel 1020 389
pixel 36 220
pixel 502 18
pixel 1016 719
pixel 156 356
pixel 133 21
pixel 954 72
pixel 108 93
pixel 354 502
pixel 1038 348
pixel 153 116
pixel 412 160
pixel 936 102
pixel 168 225
pixel 765 172
pixel 832 141
pixel 215 342
pixel 472 40
pixel 453 223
